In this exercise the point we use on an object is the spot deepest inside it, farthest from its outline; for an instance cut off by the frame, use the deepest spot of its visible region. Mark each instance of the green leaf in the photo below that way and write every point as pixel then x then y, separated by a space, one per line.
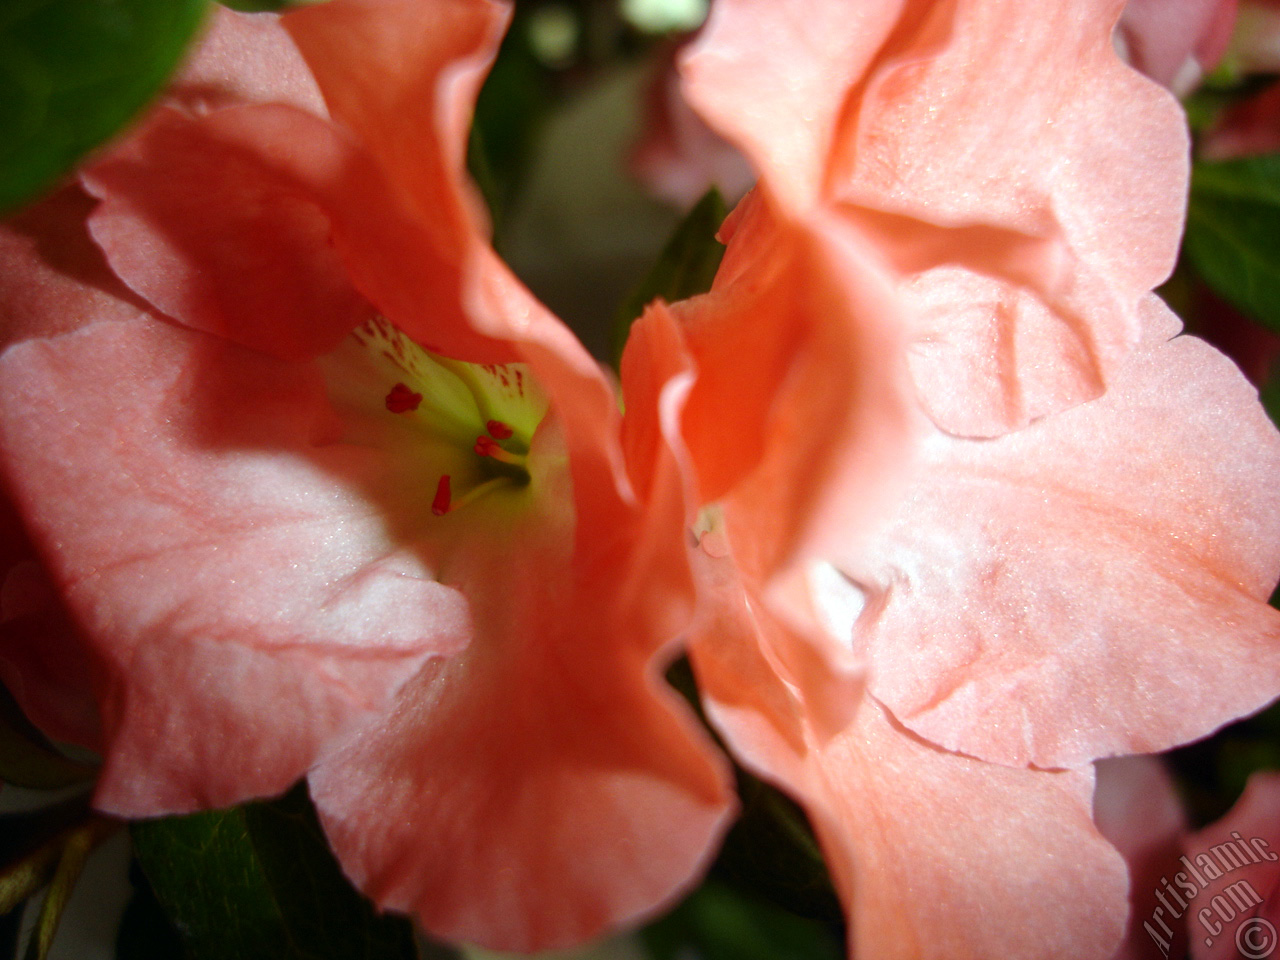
pixel 685 268
pixel 719 923
pixel 771 853
pixel 72 73
pixel 27 759
pixel 259 881
pixel 1233 232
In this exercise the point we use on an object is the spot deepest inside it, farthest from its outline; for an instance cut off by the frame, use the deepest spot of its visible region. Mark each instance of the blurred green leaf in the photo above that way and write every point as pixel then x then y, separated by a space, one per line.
pixel 29 760
pixel 719 923
pixel 1233 232
pixel 771 853
pixel 259 881
pixel 685 268
pixel 514 102
pixel 72 73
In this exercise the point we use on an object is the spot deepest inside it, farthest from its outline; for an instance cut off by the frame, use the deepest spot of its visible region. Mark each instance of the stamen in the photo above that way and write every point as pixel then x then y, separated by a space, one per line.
pixel 477 492
pixel 441 505
pixel 487 447
pixel 498 430
pixel 401 399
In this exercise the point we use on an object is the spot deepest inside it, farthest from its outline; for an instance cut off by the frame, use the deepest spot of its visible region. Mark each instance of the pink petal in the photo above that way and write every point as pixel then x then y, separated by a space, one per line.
pixel 213 552
pixel 678 157
pixel 52 277
pixel 1237 914
pixel 245 58
pixel 544 785
pixel 44 660
pixel 1175 42
pixel 773 79
pixel 934 855
pixel 225 235
pixel 403 77
pixel 763 425
pixel 941 856
pixel 1137 808
pixel 1092 585
pixel 1045 167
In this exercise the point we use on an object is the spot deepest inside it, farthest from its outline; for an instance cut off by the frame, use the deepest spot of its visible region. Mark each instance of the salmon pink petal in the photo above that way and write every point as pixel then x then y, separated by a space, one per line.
pixel 957 152
pixel 53 278
pixel 224 236
pixel 1094 584
pixel 524 795
pixel 214 552
pixel 44 661
pixel 544 785
pixel 403 76
pixel 1236 912
pixel 762 421
pixel 1137 807
pixel 245 58
pixel 774 80
pixel 919 841
pixel 1175 42
pixel 677 156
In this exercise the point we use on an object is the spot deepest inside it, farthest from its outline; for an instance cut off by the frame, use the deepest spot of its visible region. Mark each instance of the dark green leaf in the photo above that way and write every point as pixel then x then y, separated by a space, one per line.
pixel 685 268
pixel 72 73
pixel 259 881
pixel 514 102
pixel 718 923
pixel 27 759
pixel 1233 232
pixel 771 853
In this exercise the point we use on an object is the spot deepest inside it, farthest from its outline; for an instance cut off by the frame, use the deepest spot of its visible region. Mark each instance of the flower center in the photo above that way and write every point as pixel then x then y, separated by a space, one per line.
pixel 469 425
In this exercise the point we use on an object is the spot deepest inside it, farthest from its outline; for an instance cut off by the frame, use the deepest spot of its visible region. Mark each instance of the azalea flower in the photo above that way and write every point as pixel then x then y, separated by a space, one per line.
pixel 329 494
pixel 928 645
pixel 1176 42
pixel 1137 807
pixel 1233 865
pixel 1214 889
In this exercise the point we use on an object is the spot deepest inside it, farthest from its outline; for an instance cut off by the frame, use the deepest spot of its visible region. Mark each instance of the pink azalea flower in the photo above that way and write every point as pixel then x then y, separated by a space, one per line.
pixel 929 645
pixel 677 156
pixel 1137 808
pixel 330 494
pixel 1176 42
pixel 1233 867
pixel 1025 259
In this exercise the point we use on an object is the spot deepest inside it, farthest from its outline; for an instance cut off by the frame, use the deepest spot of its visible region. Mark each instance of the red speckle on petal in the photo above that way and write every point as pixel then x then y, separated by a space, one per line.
pixel 440 505
pixel 401 399
pixel 498 430
pixel 485 446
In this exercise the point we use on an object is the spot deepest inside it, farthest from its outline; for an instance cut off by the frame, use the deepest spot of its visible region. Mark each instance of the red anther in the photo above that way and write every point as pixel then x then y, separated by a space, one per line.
pixel 498 430
pixel 401 399
pixel 485 447
pixel 440 505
